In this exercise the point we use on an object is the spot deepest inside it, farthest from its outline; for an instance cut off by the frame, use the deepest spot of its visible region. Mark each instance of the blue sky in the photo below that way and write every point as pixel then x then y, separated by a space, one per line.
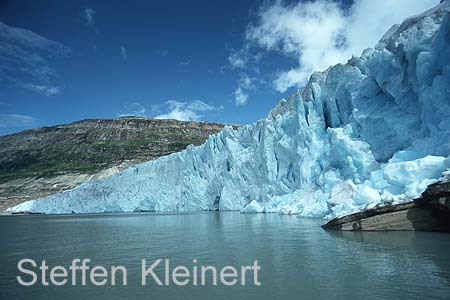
pixel 220 61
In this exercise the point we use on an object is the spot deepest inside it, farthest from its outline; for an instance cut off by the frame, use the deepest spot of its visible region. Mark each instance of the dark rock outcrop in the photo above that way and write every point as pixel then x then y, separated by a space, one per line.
pixel 431 212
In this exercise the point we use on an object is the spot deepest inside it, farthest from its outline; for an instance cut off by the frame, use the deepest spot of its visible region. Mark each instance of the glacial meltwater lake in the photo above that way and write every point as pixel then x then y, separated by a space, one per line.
pixel 298 259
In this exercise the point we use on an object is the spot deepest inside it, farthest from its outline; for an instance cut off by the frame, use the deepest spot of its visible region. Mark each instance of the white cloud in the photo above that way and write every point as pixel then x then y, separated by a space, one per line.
pixel 245 84
pixel 307 31
pixel 133 109
pixel 89 16
pixel 319 33
pixel 240 97
pixel 238 58
pixel 124 53
pixel 185 111
pixel 25 57
pixel 371 19
pixel 43 89
pixel 293 77
pixel 171 109
pixel 17 121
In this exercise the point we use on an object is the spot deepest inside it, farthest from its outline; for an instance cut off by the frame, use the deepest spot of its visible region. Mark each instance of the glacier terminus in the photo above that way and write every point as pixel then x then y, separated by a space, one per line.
pixel 372 131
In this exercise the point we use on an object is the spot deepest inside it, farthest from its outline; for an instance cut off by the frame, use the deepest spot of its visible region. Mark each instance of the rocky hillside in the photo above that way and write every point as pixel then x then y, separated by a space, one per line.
pixel 45 160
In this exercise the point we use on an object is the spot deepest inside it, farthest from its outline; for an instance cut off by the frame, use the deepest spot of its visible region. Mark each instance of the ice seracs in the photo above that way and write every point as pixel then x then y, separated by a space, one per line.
pixel 374 130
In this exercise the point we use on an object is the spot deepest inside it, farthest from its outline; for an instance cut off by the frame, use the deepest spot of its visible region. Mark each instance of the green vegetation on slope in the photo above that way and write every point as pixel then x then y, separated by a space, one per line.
pixel 93 145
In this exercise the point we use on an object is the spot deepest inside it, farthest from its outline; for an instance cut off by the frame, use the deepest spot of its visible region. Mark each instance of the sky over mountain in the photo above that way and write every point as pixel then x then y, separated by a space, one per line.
pixel 221 61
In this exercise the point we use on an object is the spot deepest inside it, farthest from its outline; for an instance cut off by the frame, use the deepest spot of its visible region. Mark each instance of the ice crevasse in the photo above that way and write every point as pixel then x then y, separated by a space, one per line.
pixel 374 130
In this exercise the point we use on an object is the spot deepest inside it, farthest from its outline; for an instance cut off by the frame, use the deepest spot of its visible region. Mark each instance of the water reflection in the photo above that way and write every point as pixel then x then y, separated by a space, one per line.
pixel 298 258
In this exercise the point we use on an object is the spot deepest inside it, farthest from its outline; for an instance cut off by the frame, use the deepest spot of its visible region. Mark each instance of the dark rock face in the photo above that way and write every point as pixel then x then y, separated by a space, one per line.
pixel 438 194
pixel 431 212
pixel 38 162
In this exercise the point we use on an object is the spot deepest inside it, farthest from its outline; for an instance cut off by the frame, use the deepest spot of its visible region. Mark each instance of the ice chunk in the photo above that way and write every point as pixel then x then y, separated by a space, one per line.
pixel 342 193
pixel 408 172
pixel 253 207
pixel 365 194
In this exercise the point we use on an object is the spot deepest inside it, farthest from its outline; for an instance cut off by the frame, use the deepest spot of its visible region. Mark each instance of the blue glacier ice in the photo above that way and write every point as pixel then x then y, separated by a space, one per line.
pixel 372 131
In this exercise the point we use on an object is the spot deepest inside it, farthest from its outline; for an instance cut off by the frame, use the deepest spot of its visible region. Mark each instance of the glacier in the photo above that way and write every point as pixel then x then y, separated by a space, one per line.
pixel 373 131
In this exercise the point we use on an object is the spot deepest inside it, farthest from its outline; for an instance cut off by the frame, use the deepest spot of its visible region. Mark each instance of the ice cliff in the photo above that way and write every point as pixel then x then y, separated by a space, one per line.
pixel 374 130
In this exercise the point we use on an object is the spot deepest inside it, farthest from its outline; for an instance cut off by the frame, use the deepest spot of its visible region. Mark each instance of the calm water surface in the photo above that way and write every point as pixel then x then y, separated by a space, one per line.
pixel 298 259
